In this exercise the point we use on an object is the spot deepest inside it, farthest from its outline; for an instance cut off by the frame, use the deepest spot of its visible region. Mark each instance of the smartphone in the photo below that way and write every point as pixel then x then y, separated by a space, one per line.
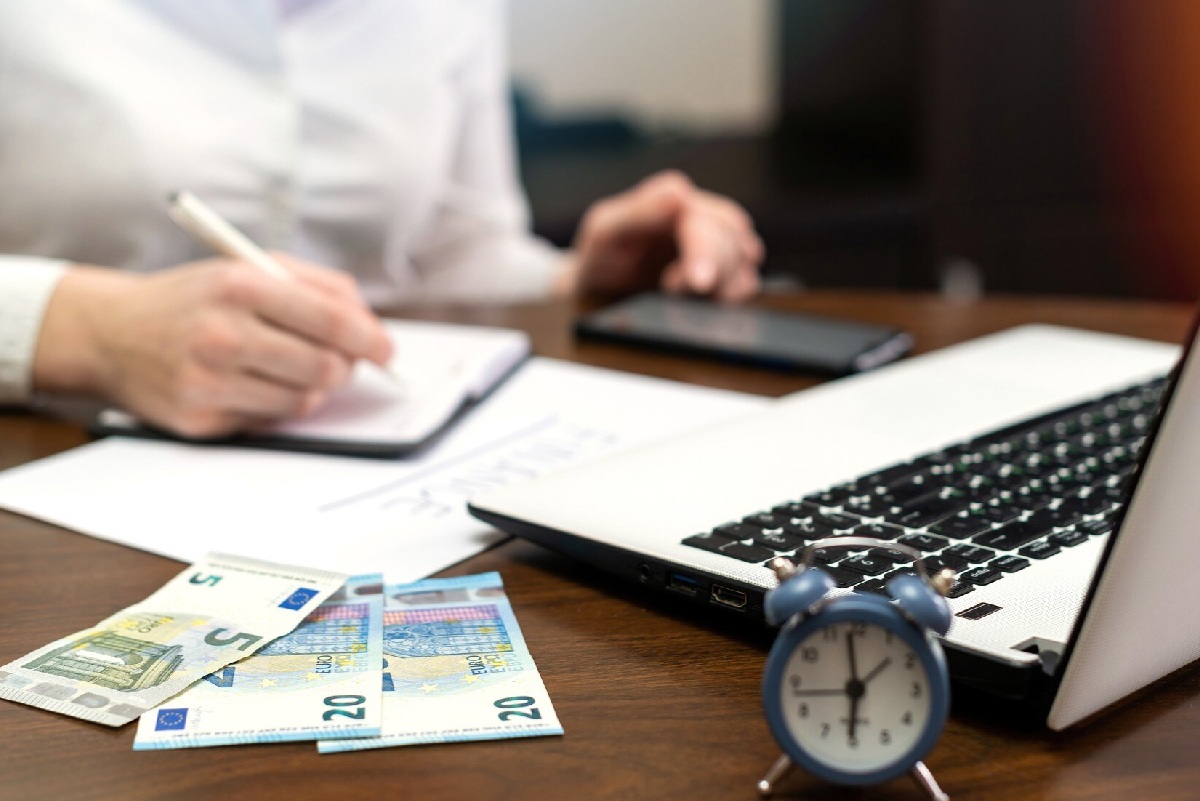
pixel 780 340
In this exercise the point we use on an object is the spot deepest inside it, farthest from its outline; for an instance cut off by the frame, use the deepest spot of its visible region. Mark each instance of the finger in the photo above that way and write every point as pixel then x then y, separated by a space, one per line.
pixel 741 285
pixel 739 221
pixel 335 282
pixel 709 250
pixel 232 402
pixel 673 278
pixel 652 205
pixel 327 320
pixel 253 396
pixel 291 360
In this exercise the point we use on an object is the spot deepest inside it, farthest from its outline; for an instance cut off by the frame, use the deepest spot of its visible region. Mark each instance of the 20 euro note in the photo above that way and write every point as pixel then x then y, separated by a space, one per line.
pixel 319 681
pixel 455 668
pixel 218 611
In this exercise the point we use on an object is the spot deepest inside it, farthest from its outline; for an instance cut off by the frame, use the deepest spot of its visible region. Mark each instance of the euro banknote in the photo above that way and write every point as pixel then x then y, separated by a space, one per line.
pixel 321 680
pixel 455 668
pixel 218 611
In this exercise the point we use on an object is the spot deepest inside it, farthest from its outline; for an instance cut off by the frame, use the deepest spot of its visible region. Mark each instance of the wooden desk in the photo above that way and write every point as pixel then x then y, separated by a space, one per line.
pixel 655 703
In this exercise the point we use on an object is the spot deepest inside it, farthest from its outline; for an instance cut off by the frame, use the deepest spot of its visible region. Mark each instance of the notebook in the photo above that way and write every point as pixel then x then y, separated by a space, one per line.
pixel 446 367
pixel 1066 604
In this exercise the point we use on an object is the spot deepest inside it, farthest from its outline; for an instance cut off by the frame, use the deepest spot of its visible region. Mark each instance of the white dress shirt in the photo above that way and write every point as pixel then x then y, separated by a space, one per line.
pixel 369 135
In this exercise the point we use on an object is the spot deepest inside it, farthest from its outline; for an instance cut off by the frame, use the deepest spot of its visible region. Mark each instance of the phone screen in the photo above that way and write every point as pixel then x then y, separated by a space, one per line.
pixel 773 338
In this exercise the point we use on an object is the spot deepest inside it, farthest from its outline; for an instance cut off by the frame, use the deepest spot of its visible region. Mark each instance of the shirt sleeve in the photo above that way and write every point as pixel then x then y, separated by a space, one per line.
pixel 26 283
pixel 479 243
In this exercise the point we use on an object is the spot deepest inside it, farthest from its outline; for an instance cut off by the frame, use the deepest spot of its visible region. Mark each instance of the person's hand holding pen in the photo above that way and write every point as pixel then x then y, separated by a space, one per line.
pixel 207 348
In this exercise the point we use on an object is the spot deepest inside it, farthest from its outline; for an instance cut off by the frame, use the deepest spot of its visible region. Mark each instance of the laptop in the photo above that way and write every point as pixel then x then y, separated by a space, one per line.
pixel 1054 469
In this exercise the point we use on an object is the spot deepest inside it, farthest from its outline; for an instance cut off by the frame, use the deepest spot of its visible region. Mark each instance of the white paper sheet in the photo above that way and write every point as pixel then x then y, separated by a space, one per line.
pixel 406 518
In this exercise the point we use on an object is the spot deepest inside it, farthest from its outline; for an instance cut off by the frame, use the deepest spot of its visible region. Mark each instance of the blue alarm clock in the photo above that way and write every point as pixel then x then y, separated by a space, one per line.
pixel 856 689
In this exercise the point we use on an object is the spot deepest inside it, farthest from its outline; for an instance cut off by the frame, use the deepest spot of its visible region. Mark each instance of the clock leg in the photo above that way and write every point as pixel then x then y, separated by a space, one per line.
pixel 925 780
pixel 777 772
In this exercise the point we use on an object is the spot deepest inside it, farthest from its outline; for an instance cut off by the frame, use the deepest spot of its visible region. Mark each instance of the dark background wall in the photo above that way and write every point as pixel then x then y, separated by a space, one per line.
pixel 918 144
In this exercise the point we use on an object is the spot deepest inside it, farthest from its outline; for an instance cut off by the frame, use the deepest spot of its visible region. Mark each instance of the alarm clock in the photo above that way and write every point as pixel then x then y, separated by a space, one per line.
pixel 855 688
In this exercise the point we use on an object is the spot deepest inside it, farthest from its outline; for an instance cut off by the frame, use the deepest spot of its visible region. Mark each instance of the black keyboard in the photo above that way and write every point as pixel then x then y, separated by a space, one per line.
pixel 984 508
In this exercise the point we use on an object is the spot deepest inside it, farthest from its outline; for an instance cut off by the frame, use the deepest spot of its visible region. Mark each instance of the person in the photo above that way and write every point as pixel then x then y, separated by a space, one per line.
pixel 366 143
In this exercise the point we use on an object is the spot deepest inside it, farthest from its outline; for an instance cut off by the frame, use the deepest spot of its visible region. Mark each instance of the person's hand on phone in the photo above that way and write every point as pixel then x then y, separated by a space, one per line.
pixel 207 348
pixel 665 232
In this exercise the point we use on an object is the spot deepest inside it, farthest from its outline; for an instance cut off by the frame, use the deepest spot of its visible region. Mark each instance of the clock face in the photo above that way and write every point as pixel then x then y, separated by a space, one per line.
pixel 855 696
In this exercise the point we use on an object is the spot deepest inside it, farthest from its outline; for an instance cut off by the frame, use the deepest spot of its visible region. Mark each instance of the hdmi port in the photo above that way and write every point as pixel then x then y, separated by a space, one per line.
pixel 727 596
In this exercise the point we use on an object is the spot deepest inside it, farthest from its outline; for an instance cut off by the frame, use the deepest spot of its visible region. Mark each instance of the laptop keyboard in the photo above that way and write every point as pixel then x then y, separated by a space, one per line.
pixel 985 508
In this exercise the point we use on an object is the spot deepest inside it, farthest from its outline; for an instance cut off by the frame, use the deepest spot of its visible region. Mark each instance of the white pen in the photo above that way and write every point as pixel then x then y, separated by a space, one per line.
pixel 199 220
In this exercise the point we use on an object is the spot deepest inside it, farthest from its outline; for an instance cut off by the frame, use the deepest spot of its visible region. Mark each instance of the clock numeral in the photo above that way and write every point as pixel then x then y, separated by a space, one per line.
pixel 824 730
pixel 853 742
pixel 885 736
pixel 794 679
pixel 829 634
pixel 858 629
pixel 810 654
pixel 804 710
pixel 906 719
pixel 916 690
pixel 910 660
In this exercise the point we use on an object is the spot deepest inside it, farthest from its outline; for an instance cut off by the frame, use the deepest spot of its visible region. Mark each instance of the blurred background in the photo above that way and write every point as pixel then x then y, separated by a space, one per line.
pixel 954 145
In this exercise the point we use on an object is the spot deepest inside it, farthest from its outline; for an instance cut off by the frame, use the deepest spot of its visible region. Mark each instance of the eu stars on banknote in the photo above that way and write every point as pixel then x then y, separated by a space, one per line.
pixel 319 681
pixel 455 668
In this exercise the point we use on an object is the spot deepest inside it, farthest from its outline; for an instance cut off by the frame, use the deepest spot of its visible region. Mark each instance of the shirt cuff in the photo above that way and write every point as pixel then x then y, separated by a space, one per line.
pixel 26 284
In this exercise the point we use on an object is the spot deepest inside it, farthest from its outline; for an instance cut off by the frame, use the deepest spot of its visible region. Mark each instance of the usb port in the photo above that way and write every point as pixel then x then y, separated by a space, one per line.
pixel 683 583
pixel 727 596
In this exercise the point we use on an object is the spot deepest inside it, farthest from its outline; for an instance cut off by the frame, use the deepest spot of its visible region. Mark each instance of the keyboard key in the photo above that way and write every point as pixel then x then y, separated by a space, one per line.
pixel 960 526
pixel 844 578
pixel 880 531
pixel 1011 536
pixel 795 509
pixel 980 576
pixel 834 496
pixel 909 490
pixel 936 563
pixel 766 520
pixel 960 588
pixel 889 475
pixel 873 586
pixel 1068 538
pixel 1095 528
pixel 925 542
pixel 737 531
pixel 930 510
pixel 971 553
pixel 1057 515
pixel 1000 509
pixel 1091 502
pixel 831 555
pixel 1039 550
pixel 748 553
pixel 708 542
pixel 867 564
pixel 779 541
pixel 1009 563
pixel 823 524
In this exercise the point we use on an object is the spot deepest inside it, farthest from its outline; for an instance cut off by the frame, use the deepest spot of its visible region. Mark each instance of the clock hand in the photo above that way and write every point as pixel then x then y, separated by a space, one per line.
pixel 853 714
pixel 877 670
pixel 854 687
pixel 853 664
pixel 800 693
